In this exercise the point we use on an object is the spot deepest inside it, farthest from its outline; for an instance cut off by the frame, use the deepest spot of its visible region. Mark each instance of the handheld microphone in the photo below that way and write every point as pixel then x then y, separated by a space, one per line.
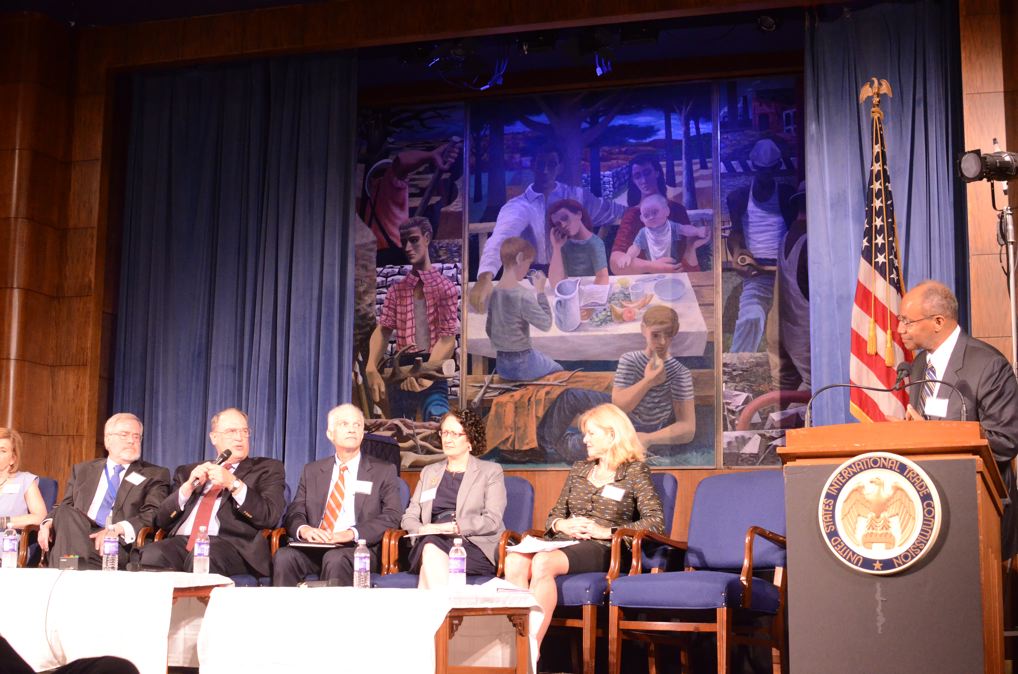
pixel 220 460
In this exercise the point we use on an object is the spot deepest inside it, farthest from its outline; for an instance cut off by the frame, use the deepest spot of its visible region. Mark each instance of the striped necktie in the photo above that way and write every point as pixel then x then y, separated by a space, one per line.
pixel 927 392
pixel 335 502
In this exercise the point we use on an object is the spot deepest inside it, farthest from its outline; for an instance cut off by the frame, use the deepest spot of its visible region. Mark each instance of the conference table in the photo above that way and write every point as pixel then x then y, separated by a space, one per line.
pixel 409 631
pixel 52 617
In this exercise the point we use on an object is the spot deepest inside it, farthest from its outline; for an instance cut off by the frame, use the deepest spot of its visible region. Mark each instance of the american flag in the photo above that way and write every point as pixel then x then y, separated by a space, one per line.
pixel 876 345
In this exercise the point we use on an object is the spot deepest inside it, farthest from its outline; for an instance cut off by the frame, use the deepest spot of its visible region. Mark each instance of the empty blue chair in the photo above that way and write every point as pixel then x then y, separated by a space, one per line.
pixel 588 591
pixel 736 529
pixel 518 516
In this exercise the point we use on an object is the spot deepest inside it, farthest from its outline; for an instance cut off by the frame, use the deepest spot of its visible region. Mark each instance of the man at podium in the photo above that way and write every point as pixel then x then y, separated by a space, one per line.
pixel 979 374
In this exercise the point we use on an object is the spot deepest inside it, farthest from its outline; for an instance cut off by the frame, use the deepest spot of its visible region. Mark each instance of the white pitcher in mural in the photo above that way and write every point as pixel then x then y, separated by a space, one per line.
pixel 567 304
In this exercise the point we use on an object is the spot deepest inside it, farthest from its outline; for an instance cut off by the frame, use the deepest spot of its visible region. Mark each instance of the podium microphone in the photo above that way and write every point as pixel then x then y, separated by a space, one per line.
pixel 903 370
pixel 220 460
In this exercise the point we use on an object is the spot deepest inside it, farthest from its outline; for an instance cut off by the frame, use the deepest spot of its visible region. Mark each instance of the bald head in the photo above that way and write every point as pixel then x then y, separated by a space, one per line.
pixel 929 314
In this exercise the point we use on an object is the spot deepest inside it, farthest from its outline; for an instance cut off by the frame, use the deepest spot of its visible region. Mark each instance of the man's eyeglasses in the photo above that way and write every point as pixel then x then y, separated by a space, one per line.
pixel 907 322
pixel 451 434
pixel 235 432
pixel 124 435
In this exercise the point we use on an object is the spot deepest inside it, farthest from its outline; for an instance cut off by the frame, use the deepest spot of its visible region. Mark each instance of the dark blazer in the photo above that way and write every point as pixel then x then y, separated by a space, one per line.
pixel 985 379
pixel 374 512
pixel 480 503
pixel 241 525
pixel 136 503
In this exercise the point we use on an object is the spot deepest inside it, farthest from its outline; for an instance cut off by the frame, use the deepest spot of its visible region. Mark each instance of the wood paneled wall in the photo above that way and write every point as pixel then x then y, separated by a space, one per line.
pixel 989 65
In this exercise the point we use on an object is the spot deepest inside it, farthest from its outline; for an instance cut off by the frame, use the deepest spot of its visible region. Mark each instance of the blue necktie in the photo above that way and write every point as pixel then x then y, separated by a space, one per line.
pixel 112 485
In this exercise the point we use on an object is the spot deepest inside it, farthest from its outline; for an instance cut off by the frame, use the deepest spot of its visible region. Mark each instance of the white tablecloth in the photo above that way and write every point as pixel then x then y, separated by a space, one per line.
pixel 323 629
pixel 59 616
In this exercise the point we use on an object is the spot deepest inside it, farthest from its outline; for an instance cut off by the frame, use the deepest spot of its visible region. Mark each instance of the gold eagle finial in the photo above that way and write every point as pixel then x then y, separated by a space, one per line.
pixel 875 88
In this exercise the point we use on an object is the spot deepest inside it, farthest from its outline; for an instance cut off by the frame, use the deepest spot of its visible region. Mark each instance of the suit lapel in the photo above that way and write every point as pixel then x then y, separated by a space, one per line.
pixel 953 377
pixel 90 484
pixel 125 487
pixel 365 473
pixel 317 492
pixel 469 479
pixel 432 476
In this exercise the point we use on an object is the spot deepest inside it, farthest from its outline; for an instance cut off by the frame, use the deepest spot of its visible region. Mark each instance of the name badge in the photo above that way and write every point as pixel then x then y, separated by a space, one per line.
pixel 14 488
pixel 613 492
pixel 362 487
pixel 135 478
pixel 936 407
pixel 429 494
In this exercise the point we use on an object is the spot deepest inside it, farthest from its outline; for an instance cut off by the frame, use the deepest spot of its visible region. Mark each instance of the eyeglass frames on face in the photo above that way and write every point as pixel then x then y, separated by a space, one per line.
pixel 907 322
pixel 235 432
pixel 451 434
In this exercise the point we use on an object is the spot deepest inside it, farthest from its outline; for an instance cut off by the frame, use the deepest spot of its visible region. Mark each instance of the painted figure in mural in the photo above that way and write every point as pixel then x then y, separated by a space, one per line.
pixel 526 216
pixel 387 194
pixel 646 178
pixel 575 251
pixel 422 309
pixel 512 309
pixel 462 496
pixel 339 499
pixel 789 348
pixel 761 215
pixel 608 488
pixel 661 238
pixel 651 386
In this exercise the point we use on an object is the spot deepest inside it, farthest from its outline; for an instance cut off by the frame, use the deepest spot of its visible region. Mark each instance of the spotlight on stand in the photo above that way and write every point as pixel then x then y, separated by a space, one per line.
pixel 461 64
pixel 974 165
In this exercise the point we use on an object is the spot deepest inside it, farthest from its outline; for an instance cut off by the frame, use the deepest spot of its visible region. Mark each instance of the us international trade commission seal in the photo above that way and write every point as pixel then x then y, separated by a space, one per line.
pixel 879 513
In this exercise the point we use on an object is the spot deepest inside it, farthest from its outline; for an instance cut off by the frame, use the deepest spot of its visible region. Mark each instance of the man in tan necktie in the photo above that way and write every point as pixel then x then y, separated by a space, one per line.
pixel 340 499
pixel 235 501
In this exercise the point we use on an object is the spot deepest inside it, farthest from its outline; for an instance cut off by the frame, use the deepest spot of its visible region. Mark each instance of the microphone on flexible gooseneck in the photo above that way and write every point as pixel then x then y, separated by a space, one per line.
pixel 220 460
pixel 904 369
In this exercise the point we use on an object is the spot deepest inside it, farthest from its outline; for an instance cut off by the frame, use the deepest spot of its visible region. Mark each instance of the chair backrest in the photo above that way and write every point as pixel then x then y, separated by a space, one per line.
pixel 286 504
pixel 724 507
pixel 519 504
pixel 48 486
pixel 667 489
pixel 404 493
pixel 382 447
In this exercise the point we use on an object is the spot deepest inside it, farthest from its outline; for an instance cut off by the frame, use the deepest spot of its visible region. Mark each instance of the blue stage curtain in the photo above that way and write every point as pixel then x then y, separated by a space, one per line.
pixel 235 279
pixel 914 47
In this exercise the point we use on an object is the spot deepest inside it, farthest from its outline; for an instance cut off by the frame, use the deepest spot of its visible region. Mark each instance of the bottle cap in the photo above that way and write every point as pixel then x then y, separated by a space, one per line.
pixel 202 529
pixel 457 541
pixel 361 541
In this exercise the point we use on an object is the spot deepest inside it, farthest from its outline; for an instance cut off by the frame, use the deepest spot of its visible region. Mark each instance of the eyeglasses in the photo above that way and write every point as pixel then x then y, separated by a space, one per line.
pixel 451 434
pixel 124 435
pixel 907 322
pixel 235 432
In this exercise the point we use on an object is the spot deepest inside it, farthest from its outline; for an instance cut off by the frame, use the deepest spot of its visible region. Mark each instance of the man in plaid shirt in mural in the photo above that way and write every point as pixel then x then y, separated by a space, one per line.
pixel 423 311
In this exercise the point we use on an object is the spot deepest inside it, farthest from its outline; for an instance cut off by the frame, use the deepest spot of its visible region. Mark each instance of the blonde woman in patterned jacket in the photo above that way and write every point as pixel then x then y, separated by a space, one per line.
pixel 611 489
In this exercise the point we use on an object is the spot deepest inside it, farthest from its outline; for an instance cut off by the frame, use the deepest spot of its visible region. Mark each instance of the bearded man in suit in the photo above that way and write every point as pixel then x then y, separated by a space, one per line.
pixel 234 500
pixel 340 499
pixel 121 490
pixel 982 376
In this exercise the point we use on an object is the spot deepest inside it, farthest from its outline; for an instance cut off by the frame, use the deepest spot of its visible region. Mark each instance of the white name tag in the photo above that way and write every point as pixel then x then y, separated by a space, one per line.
pixel 11 488
pixel 135 478
pixel 428 494
pixel 613 492
pixel 936 407
pixel 362 487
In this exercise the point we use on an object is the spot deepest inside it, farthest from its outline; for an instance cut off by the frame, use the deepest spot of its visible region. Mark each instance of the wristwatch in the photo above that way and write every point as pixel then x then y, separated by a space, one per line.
pixel 237 484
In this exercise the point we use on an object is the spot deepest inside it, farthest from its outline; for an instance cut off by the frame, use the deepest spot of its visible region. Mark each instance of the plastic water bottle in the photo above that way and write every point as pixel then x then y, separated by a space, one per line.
pixel 111 548
pixel 202 548
pixel 362 565
pixel 10 545
pixel 457 564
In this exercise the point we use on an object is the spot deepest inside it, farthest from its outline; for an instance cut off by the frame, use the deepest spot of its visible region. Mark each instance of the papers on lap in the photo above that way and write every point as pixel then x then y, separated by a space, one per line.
pixel 308 544
pixel 529 544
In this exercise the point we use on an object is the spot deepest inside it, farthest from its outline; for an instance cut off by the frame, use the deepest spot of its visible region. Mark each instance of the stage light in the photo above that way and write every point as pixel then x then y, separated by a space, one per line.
pixel 974 165
pixel 766 23
pixel 602 62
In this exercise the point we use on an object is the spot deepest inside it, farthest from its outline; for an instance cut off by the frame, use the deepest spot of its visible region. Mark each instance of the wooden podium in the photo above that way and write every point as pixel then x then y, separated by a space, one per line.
pixel 942 614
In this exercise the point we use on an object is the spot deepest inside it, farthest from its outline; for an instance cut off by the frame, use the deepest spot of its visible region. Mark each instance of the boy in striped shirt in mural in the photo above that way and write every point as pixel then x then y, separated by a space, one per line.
pixel 650 385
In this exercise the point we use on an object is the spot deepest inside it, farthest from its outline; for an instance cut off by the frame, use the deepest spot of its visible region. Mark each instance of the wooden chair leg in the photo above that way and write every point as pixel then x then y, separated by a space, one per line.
pixel 723 624
pixel 614 641
pixel 652 658
pixel 684 657
pixel 589 643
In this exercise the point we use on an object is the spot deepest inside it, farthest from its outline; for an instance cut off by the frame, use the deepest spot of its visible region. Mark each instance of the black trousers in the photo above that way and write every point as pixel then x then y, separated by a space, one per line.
pixel 171 553
pixel 73 529
pixel 292 565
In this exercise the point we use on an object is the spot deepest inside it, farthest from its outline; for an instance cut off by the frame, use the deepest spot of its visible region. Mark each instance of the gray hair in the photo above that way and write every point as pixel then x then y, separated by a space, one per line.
pixel 122 416
pixel 339 408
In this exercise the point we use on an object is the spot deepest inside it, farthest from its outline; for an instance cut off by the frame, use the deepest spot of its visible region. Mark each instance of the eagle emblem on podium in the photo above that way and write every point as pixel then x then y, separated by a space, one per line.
pixel 879 512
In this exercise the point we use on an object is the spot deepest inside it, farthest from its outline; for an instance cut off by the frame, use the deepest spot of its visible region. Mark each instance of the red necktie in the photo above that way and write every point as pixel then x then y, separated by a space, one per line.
pixel 204 515
pixel 335 503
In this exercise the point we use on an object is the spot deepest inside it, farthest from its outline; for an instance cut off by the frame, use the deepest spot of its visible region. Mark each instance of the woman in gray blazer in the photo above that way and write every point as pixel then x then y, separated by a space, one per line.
pixel 460 496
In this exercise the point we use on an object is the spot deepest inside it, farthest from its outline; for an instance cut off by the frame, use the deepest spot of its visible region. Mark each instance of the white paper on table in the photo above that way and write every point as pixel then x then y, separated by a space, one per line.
pixel 529 544
pixel 594 294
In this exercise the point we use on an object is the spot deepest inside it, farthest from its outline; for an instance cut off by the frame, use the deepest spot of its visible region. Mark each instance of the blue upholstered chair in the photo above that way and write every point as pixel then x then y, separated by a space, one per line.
pixel 586 592
pixel 29 552
pixel 736 529
pixel 518 516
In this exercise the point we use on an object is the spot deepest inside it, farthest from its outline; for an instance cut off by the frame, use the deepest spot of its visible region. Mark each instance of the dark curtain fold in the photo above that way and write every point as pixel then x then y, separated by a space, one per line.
pixel 236 279
pixel 914 47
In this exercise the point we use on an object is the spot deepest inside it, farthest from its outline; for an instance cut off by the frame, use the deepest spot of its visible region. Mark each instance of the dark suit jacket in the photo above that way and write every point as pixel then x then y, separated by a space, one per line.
pixel 136 503
pixel 374 512
pixel 985 379
pixel 240 525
